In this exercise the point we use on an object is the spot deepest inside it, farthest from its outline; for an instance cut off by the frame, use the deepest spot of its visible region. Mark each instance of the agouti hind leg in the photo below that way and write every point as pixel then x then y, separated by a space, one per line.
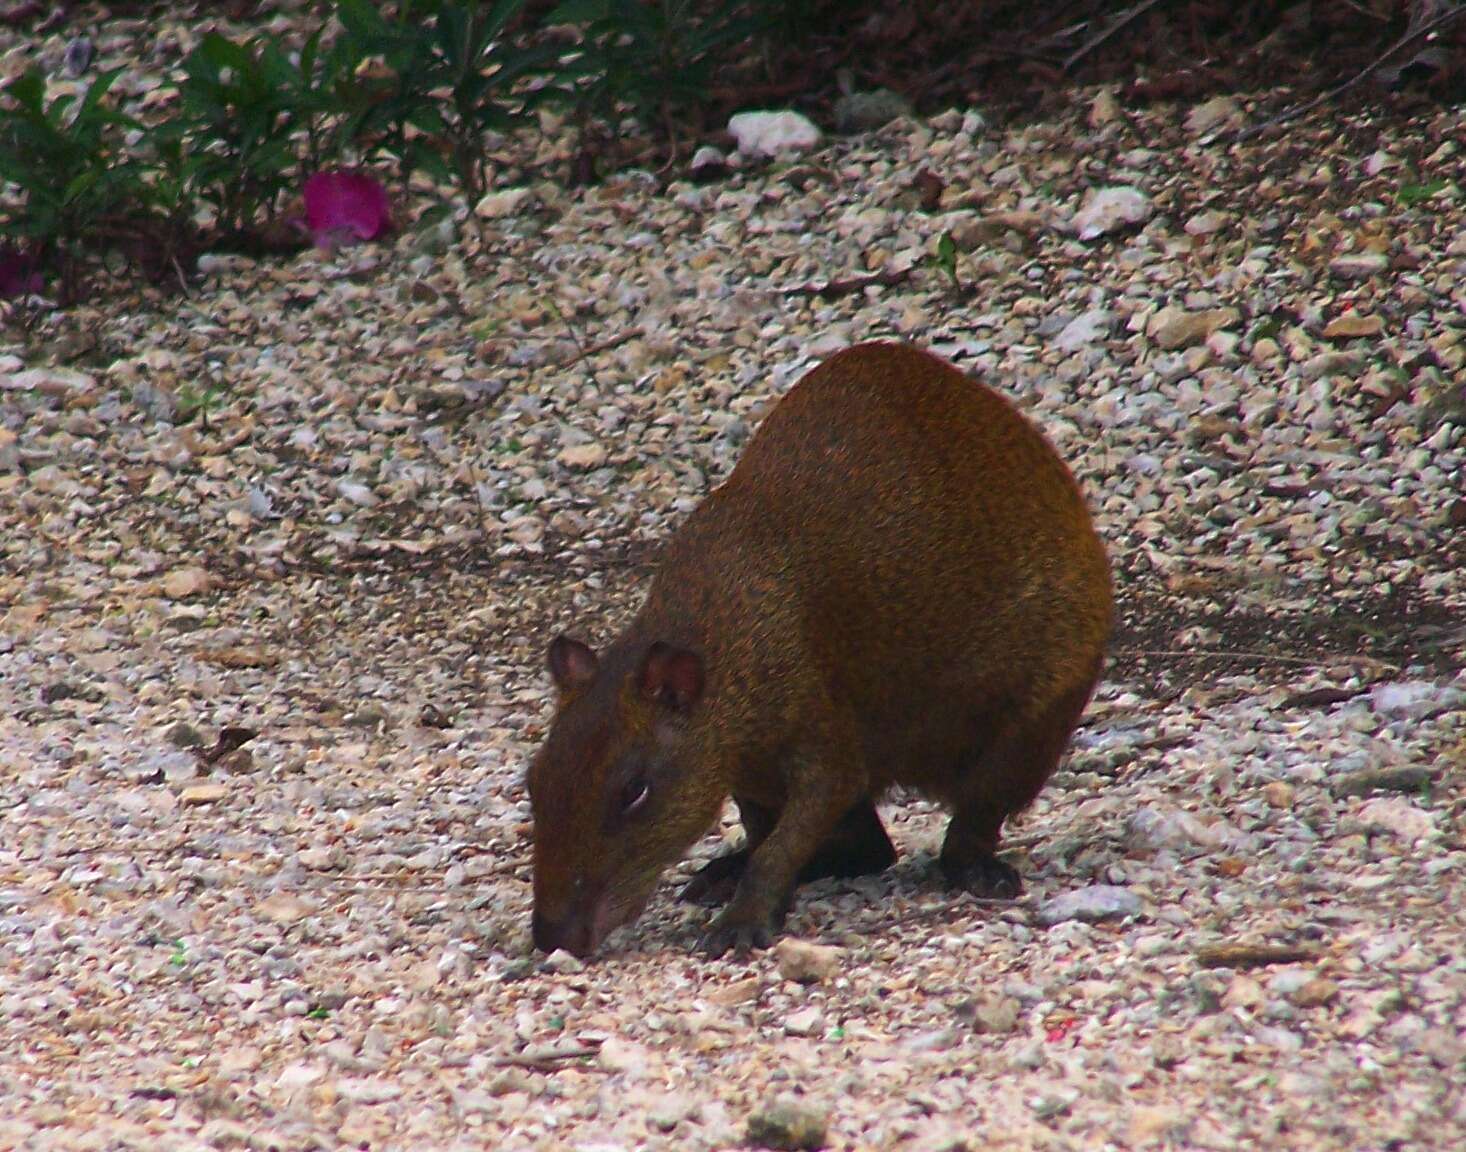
pixel 1006 777
pixel 859 846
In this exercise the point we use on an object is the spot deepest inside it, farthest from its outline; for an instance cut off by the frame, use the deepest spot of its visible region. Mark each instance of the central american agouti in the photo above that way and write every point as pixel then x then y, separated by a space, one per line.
pixel 898 584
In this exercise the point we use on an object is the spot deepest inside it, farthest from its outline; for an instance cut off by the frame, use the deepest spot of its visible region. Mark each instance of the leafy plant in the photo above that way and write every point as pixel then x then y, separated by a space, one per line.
pixel 240 114
pixel 419 84
pixel 1412 194
pixel 427 84
pixel 384 75
pixel 200 401
pixel 69 160
pixel 484 73
pixel 945 258
pixel 651 55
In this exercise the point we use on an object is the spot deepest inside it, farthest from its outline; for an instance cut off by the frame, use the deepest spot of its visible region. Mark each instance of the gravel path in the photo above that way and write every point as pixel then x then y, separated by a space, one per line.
pixel 280 558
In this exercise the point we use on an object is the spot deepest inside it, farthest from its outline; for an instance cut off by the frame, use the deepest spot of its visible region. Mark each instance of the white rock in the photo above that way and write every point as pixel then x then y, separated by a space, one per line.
pixel 49 381
pixel 358 494
pixel 1151 829
pixel 299 1075
pixel 1410 698
pixel 805 1022
pixel 617 1055
pixel 504 202
pixel 772 133
pixel 1359 265
pixel 588 455
pixel 367 1091
pixel 707 163
pixel 1289 980
pixel 665 1112
pixel 562 963
pixel 1379 161
pixel 1097 902
pixel 1084 330
pixel 805 962
pixel 1216 112
pixel 1205 223
pixel 1399 817
pixel 1110 209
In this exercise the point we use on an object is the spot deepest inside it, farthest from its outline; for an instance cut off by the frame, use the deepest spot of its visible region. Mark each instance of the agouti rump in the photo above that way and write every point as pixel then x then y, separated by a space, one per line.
pixel 898 584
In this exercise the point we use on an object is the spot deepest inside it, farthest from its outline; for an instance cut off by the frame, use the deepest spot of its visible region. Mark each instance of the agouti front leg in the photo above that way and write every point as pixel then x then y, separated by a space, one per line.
pixel 818 797
pixel 716 880
pixel 859 846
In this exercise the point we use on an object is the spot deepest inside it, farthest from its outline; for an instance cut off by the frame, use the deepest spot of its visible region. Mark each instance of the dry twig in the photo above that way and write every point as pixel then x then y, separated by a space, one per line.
pixel 833 289
pixel 1409 40
pixel 546 1057
pixel 1127 17
pixel 588 350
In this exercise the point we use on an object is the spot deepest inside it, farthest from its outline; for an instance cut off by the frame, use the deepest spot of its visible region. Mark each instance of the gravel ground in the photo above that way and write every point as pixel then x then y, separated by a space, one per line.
pixel 280 558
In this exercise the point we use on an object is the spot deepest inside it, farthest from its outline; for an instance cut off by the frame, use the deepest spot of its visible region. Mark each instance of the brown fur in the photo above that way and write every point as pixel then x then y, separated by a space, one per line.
pixel 899 583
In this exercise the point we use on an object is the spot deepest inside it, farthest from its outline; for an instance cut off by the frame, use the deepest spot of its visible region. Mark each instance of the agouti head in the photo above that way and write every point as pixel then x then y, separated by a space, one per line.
pixel 613 802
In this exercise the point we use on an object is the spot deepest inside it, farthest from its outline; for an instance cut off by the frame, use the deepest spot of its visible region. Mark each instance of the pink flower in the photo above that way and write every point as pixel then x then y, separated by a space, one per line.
pixel 19 275
pixel 344 208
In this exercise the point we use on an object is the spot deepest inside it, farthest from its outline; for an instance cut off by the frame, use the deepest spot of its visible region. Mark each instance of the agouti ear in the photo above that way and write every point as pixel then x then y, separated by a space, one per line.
pixel 672 676
pixel 572 664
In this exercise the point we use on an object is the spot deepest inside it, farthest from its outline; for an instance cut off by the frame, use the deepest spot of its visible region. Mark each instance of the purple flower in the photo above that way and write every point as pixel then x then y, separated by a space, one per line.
pixel 344 208
pixel 19 275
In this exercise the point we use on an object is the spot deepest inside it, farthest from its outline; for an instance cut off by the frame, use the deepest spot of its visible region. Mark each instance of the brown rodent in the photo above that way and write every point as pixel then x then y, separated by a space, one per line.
pixel 898 584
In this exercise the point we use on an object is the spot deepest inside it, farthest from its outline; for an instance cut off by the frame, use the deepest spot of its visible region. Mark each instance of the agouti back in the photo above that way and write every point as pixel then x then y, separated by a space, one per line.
pixel 898 584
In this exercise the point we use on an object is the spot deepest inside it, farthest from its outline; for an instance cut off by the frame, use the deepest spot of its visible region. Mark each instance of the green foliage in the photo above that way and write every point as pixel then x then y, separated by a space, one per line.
pixel 1412 194
pixel 427 84
pixel 649 55
pixel 241 115
pixel 387 76
pixel 70 162
pixel 945 258
pixel 420 85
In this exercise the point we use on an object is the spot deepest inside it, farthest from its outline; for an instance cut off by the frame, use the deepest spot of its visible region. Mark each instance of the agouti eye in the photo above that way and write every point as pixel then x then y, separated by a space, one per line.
pixel 634 795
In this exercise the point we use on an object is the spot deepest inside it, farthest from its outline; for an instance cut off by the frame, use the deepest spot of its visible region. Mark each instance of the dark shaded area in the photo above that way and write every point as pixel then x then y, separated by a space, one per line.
pixel 1013 57
pixel 1400 628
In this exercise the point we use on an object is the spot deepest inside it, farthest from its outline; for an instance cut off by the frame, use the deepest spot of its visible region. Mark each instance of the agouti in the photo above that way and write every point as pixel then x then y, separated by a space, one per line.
pixel 898 584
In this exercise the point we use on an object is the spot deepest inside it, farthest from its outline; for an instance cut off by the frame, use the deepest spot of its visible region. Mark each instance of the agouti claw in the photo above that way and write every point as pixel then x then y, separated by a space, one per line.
pixel 738 935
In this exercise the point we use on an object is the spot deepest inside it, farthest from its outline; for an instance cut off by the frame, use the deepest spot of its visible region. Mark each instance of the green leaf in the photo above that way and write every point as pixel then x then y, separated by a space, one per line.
pixel 276 70
pixel 28 90
pixel 1413 194
pixel 579 12
pixel 498 17
pixel 432 162
pixel 433 215
pixel 223 53
pixel 80 185
pixel 427 119
pixel 96 91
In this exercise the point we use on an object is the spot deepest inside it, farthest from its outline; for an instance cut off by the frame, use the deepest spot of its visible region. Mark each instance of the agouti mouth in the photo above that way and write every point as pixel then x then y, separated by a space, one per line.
pixel 583 931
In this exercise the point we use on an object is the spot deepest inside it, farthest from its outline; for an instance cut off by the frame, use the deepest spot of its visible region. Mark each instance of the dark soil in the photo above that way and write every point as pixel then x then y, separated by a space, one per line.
pixel 1018 59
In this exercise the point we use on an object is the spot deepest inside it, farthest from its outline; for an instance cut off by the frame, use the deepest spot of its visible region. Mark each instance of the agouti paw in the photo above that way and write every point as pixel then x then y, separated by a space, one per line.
pixel 716 881
pixel 986 876
pixel 740 935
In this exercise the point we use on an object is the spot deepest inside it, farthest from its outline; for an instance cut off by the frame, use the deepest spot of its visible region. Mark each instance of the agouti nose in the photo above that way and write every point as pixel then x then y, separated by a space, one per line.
pixel 572 934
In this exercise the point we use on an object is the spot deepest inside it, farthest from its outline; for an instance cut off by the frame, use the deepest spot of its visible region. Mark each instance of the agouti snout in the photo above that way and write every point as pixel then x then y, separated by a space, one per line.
pixel 898 584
